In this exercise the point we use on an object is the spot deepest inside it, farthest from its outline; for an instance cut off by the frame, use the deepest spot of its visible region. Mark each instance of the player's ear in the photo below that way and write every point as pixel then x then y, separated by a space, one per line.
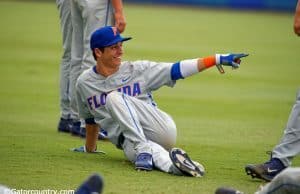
pixel 97 52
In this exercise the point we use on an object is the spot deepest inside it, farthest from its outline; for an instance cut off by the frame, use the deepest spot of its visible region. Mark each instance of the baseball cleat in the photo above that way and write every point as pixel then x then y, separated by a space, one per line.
pixel 266 171
pixel 64 125
pixel 94 184
pixel 183 162
pixel 144 162
pixel 224 190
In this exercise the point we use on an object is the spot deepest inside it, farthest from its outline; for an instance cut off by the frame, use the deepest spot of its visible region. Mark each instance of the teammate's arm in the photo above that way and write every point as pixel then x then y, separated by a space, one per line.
pixel 120 22
pixel 297 19
pixel 190 67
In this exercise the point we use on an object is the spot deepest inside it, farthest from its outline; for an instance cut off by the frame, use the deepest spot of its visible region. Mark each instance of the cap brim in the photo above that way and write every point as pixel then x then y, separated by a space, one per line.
pixel 121 39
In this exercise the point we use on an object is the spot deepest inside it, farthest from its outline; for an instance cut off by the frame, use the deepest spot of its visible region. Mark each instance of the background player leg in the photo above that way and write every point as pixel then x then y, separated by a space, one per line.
pixel 76 59
pixel 64 8
pixel 284 152
pixel 289 145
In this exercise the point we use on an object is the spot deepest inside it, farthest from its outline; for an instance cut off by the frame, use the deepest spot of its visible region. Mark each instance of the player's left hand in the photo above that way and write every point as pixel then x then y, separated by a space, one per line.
pixel 232 60
pixel 82 149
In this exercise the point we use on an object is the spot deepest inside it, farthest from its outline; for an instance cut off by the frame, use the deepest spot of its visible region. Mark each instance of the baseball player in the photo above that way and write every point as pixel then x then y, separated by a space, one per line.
pixel 86 17
pixel 289 146
pixel 117 96
pixel 65 123
pixel 286 182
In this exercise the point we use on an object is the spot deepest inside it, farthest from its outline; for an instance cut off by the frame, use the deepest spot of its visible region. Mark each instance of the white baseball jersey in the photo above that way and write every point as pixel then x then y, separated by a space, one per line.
pixel 137 79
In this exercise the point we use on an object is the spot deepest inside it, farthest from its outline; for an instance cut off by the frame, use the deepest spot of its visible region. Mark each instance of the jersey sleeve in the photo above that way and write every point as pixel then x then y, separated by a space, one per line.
pixel 83 109
pixel 157 74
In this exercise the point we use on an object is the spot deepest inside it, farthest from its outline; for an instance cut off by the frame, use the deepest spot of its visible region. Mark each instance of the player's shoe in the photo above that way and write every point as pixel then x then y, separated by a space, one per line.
pixel 75 130
pixel 102 135
pixel 144 162
pixel 224 190
pixel 64 125
pixel 93 185
pixel 183 162
pixel 266 171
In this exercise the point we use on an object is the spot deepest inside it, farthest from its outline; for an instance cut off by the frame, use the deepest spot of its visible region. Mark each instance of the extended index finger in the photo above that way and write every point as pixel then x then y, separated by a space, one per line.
pixel 238 56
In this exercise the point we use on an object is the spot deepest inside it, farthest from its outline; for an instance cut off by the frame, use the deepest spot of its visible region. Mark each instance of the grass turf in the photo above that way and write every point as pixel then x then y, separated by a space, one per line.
pixel 223 121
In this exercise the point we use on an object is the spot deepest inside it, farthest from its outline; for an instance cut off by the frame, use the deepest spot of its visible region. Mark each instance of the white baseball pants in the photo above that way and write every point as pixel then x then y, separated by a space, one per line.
pixel 146 129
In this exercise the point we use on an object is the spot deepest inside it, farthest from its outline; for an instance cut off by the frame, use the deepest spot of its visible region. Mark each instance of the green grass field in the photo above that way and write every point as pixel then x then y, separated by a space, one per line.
pixel 223 121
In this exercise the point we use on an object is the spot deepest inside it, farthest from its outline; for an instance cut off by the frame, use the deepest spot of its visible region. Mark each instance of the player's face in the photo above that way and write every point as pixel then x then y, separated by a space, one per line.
pixel 112 55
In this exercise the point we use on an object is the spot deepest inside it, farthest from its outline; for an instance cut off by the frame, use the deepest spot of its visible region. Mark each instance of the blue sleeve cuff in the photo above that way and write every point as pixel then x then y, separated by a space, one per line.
pixel 90 121
pixel 175 71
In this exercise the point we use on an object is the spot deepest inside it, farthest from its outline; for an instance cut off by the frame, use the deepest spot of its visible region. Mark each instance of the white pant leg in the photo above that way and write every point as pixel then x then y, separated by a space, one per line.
pixel 121 109
pixel 139 122
pixel 77 52
pixel 87 16
pixel 96 14
pixel 158 126
pixel 289 145
pixel 155 124
pixel 286 182
pixel 64 8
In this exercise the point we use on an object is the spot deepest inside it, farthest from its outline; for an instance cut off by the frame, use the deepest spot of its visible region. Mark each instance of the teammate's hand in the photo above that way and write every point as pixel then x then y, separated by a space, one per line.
pixel 232 60
pixel 83 149
pixel 120 22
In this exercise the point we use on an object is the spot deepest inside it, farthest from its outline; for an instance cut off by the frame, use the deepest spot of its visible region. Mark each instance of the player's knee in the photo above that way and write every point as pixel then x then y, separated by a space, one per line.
pixel 172 133
pixel 171 137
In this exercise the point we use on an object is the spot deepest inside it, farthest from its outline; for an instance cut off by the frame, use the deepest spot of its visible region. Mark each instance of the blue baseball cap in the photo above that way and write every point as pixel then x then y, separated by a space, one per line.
pixel 106 36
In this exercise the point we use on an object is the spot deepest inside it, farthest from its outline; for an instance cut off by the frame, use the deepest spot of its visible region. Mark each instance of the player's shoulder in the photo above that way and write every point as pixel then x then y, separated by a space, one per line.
pixel 85 75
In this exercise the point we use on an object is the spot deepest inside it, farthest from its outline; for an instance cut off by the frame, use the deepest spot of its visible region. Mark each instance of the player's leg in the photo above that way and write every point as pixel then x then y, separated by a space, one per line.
pixel 284 152
pixel 157 125
pixel 64 9
pixel 289 145
pixel 288 181
pixel 76 59
pixel 121 109
pixel 132 114
pixel 96 14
